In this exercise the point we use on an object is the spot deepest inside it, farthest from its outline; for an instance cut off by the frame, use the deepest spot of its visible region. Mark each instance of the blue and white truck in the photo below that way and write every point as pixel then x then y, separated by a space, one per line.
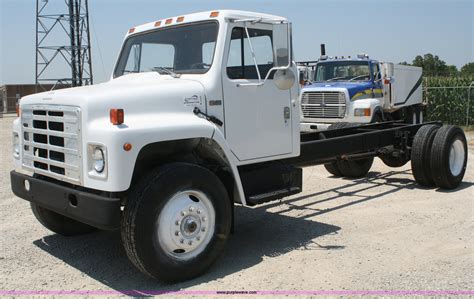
pixel 360 90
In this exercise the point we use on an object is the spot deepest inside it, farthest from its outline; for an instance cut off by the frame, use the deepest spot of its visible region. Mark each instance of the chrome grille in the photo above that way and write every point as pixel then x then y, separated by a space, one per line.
pixel 323 104
pixel 52 141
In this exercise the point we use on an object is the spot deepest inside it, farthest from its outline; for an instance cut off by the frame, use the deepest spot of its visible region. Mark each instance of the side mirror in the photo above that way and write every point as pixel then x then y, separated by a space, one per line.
pixel 284 79
pixel 389 69
pixel 281 45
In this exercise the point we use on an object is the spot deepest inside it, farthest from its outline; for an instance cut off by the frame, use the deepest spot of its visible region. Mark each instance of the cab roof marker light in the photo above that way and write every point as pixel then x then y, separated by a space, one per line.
pixel 168 21
pixel 131 30
pixel 157 24
pixel 214 14
pixel 180 19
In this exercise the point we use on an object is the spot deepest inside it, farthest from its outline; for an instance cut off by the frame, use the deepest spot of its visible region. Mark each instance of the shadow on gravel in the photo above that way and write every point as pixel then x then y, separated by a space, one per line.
pixel 462 186
pixel 258 234
pixel 373 180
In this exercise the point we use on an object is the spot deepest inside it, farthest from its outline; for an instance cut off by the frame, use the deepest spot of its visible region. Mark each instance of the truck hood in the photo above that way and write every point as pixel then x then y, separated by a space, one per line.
pixel 352 87
pixel 134 93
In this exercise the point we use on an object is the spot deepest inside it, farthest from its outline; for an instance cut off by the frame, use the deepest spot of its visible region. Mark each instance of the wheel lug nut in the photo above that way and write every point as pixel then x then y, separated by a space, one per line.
pixel 198 211
pixel 181 241
pixel 190 243
pixel 204 219
pixel 176 233
pixel 198 238
pixel 177 222
pixel 191 209
pixel 183 213
pixel 203 229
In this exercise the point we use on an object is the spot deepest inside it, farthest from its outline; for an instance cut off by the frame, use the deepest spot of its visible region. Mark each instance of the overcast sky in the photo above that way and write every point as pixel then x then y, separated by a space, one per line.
pixel 388 30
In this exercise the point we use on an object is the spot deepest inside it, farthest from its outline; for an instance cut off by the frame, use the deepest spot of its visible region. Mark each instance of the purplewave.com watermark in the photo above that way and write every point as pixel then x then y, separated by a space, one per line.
pixel 261 292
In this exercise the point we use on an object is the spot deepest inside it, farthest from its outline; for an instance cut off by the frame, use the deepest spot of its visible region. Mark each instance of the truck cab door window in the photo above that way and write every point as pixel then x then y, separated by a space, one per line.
pixel 376 72
pixel 240 64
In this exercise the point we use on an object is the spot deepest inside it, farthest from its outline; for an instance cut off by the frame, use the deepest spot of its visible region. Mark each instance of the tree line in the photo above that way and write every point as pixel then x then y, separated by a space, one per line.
pixel 433 66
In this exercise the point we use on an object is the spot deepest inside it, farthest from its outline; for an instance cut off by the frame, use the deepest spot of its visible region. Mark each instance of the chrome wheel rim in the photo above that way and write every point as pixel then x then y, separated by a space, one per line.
pixel 456 157
pixel 186 224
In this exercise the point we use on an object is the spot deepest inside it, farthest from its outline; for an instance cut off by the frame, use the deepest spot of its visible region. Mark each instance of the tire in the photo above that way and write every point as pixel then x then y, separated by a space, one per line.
pixel 355 168
pixel 421 153
pixel 449 157
pixel 332 167
pixel 60 224
pixel 392 161
pixel 174 203
pixel 378 118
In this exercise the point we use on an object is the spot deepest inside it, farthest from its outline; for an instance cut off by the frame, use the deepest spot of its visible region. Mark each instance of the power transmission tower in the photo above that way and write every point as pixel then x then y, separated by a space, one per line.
pixel 63 49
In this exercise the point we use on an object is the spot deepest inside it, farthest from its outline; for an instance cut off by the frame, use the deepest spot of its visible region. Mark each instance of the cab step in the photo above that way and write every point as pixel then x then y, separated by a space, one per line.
pixel 266 182
pixel 271 196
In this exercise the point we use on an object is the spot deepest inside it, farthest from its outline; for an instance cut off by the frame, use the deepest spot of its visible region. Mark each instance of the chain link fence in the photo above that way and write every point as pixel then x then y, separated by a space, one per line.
pixel 449 100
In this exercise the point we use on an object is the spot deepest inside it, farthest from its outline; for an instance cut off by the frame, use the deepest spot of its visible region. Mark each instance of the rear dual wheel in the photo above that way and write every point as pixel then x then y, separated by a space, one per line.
pixel 439 156
pixel 449 157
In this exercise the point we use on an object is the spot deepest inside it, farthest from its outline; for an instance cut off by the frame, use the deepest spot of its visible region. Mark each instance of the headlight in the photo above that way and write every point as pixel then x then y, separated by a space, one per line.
pixel 362 112
pixel 16 145
pixel 98 159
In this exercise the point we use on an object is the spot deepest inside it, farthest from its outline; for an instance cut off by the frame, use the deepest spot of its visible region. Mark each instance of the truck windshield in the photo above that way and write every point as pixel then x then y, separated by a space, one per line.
pixel 173 50
pixel 342 71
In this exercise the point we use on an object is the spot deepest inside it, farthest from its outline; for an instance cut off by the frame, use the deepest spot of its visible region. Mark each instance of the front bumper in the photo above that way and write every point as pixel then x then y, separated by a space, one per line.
pixel 312 127
pixel 98 211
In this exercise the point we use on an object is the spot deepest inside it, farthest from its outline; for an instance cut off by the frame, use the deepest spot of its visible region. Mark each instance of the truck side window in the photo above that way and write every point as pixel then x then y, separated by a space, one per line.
pixel 376 72
pixel 208 53
pixel 240 64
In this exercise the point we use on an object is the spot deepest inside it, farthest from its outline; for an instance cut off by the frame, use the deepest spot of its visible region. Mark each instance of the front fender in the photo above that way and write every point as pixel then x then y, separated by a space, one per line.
pixel 373 104
pixel 232 161
pixel 138 131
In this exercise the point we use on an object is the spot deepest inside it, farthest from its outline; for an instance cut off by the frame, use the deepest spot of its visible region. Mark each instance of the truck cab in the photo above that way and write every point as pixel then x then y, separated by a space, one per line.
pixel 356 90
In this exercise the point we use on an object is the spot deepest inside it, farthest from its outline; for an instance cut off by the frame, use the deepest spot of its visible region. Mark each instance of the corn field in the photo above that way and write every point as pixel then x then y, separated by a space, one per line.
pixel 447 99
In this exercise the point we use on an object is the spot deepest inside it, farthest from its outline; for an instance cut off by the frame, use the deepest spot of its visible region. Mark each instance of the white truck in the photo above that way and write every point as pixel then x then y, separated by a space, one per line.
pixel 202 112
pixel 360 90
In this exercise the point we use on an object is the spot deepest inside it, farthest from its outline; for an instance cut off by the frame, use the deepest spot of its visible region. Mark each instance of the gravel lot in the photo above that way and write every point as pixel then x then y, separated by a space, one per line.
pixel 382 232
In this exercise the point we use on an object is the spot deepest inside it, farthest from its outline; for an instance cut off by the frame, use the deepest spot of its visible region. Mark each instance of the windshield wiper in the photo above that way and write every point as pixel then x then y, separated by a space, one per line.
pixel 168 71
pixel 335 78
pixel 360 76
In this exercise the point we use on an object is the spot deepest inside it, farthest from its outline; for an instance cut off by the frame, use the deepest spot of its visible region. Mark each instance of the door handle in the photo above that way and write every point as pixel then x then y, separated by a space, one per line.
pixel 286 113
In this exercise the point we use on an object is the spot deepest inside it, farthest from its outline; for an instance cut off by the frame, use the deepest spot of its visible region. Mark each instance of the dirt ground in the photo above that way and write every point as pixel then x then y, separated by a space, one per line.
pixel 382 232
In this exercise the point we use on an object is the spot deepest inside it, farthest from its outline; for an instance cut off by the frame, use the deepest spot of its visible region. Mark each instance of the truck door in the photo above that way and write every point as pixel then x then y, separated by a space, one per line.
pixel 257 118
pixel 377 88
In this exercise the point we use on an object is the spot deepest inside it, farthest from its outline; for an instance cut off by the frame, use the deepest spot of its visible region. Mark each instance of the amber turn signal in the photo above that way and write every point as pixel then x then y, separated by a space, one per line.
pixel 127 147
pixel 116 116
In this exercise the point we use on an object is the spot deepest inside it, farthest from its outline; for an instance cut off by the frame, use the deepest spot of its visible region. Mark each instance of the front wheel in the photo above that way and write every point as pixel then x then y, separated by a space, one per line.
pixel 60 224
pixel 355 168
pixel 176 222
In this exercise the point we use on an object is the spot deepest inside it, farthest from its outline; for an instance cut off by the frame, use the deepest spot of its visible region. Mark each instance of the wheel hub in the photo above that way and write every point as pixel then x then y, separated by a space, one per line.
pixel 186 224
pixel 456 157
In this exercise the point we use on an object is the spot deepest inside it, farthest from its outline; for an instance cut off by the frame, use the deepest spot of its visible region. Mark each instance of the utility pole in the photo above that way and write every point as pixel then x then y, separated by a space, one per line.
pixel 63 49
